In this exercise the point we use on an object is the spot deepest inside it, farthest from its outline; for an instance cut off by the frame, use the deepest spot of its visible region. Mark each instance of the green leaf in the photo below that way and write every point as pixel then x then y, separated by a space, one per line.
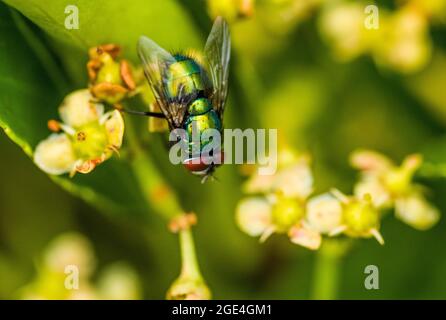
pixel 434 164
pixel 26 94
pixel 102 21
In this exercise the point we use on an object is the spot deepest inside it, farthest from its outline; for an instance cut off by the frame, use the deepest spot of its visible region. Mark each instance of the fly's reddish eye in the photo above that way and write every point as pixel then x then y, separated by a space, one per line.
pixel 197 165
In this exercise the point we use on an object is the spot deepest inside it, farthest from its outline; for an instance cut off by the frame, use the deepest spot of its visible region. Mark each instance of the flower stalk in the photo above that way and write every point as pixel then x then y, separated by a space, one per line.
pixel 189 261
pixel 327 270
pixel 156 192
pixel 190 285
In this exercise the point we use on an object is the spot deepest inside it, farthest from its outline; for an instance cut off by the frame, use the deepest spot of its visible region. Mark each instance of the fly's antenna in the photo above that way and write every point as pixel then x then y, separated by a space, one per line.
pixel 144 113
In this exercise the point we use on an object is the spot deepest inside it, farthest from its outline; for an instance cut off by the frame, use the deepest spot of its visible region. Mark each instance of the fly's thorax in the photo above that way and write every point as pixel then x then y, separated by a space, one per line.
pixel 185 73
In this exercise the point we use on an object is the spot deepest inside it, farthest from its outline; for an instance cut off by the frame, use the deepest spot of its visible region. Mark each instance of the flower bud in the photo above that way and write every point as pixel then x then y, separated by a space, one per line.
pixel 361 219
pixel 186 288
pixel 110 71
pixel 110 79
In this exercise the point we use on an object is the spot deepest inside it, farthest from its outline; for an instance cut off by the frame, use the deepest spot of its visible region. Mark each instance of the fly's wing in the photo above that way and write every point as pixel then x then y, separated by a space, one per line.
pixel 218 52
pixel 155 61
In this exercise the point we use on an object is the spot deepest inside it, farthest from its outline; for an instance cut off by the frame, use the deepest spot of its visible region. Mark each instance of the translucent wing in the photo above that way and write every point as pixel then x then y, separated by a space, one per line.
pixel 218 52
pixel 155 61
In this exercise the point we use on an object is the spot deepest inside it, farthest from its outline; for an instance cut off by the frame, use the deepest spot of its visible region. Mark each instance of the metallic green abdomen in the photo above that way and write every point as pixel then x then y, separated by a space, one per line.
pixel 197 124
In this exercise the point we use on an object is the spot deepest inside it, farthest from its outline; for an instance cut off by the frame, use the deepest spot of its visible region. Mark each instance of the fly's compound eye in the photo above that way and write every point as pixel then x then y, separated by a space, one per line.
pixel 200 165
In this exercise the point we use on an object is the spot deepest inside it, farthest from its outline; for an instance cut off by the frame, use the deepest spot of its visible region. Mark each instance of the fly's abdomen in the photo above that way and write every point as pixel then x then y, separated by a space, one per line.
pixel 201 117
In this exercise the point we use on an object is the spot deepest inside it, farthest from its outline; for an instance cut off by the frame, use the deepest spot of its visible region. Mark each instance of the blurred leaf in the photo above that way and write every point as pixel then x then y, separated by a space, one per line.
pixel 434 164
pixel 428 87
pixel 103 21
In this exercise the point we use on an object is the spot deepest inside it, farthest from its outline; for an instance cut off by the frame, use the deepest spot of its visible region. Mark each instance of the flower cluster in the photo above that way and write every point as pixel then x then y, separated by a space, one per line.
pixel 230 9
pixel 395 35
pixel 392 186
pixel 65 271
pixel 87 135
pixel 282 203
pixel 397 39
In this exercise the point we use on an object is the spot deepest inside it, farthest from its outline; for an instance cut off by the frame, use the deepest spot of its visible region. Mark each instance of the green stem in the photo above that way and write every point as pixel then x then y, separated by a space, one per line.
pixel 190 266
pixel 327 269
pixel 157 193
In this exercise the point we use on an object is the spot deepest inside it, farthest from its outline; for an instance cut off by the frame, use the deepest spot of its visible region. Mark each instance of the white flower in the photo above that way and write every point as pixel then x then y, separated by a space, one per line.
pixel 305 236
pixel 77 109
pixel 294 181
pixel 89 136
pixel 416 211
pixel 342 26
pixel 371 184
pixel 293 178
pixel 70 249
pixel 55 155
pixel 253 215
pixel 324 213
pixel 281 209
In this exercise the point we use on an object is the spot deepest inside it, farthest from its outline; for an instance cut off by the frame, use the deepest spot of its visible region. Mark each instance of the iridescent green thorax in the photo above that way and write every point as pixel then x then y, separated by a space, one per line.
pixel 185 73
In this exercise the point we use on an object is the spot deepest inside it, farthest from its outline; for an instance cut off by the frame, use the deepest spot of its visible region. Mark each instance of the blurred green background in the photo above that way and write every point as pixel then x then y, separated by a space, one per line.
pixel 283 75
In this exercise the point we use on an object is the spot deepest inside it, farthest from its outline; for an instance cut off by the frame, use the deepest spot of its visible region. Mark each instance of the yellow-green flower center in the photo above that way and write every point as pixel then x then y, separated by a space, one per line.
pixel 286 213
pixel 90 141
pixel 360 217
